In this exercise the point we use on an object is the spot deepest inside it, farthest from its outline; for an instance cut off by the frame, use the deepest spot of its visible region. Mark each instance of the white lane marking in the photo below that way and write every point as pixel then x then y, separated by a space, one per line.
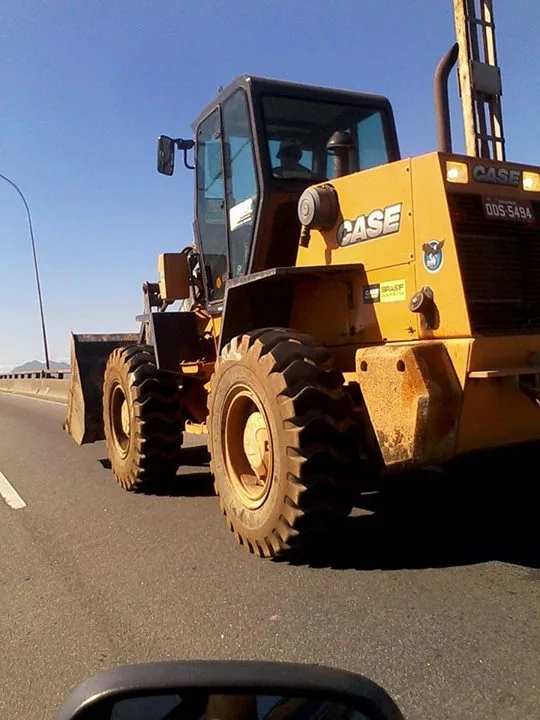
pixel 10 495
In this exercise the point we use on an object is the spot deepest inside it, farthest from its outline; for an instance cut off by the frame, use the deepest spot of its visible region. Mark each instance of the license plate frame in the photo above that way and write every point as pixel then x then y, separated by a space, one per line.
pixel 508 209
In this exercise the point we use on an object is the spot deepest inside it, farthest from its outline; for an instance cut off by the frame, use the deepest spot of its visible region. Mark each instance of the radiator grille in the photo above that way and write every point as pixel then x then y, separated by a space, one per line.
pixel 500 267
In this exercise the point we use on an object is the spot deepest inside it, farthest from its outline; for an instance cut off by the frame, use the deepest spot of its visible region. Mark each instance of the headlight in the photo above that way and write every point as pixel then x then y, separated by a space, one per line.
pixel 457 172
pixel 531 181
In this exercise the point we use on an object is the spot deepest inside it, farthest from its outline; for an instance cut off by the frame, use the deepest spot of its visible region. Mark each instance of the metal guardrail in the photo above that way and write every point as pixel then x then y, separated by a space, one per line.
pixel 37 375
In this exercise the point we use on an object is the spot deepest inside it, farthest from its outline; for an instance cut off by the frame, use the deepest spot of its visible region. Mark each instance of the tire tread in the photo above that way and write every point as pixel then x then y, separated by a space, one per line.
pixel 157 422
pixel 322 437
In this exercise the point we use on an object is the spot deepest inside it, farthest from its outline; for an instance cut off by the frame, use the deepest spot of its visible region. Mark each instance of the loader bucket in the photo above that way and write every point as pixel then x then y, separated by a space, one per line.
pixel 89 354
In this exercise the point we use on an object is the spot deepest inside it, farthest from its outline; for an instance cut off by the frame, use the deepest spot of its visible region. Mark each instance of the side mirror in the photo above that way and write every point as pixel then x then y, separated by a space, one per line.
pixel 229 690
pixel 165 155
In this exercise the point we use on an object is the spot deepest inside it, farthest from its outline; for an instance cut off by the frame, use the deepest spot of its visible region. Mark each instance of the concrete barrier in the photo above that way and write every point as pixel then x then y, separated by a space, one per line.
pixel 56 390
pixel 45 388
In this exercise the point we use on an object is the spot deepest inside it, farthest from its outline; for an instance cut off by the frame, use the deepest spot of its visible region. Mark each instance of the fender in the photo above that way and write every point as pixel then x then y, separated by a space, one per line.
pixel 264 299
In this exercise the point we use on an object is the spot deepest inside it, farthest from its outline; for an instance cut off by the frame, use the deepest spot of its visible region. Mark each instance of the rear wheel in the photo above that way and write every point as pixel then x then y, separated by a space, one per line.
pixel 280 438
pixel 142 418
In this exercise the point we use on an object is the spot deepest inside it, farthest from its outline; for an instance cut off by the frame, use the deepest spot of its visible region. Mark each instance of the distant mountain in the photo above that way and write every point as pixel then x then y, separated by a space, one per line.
pixel 35 365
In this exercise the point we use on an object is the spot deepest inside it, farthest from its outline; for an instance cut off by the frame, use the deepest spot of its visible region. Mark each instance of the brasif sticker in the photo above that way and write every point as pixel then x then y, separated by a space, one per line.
pixel 393 291
pixel 385 292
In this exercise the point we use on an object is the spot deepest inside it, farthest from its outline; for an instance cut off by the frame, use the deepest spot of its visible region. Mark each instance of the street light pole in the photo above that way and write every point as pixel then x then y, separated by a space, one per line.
pixel 34 255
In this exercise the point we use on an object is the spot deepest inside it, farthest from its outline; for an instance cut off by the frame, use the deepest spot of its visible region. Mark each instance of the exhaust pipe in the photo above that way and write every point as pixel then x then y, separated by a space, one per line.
pixel 442 105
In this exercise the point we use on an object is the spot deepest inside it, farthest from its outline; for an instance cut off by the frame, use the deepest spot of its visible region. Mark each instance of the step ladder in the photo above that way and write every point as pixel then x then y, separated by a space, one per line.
pixel 479 78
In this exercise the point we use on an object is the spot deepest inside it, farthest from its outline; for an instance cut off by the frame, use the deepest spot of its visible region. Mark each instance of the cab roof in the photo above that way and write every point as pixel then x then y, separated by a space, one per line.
pixel 260 85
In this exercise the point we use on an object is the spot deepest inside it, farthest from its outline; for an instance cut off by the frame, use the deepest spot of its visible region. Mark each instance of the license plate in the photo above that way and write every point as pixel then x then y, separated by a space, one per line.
pixel 508 209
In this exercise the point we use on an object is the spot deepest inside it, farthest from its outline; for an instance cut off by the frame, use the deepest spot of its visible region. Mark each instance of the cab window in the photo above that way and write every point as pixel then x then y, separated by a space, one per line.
pixel 211 215
pixel 306 125
pixel 241 180
pixel 371 141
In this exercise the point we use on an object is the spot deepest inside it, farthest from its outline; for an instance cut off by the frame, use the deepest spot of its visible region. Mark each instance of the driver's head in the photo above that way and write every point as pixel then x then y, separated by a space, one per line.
pixel 290 153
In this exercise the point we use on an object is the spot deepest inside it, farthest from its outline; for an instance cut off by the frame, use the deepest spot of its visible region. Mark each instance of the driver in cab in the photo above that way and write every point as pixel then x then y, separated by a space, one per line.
pixel 289 156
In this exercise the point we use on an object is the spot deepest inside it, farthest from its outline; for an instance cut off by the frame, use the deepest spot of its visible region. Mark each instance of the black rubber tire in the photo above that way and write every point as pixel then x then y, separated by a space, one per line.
pixel 313 436
pixel 153 443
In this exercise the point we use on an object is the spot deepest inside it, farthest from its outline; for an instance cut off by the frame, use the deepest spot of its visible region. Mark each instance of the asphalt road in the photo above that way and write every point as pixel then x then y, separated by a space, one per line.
pixel 433 592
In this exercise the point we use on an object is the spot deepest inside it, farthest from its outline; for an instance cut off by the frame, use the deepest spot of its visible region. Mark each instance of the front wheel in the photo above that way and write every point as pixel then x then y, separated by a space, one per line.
pixel 280 437
pixel 142 418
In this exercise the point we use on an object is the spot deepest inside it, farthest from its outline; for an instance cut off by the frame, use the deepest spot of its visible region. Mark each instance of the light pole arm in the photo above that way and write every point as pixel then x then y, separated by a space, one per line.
pixel 34 255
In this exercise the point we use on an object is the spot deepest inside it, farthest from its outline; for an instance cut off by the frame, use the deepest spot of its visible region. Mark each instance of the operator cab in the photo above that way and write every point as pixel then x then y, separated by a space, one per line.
pixel 257 147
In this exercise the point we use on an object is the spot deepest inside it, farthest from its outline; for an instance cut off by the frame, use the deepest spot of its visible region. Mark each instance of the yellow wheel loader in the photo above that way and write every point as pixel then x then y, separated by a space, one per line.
pixel 346 312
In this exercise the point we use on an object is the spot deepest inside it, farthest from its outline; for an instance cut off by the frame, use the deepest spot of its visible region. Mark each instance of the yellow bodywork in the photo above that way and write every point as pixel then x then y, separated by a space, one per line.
pixel 431 391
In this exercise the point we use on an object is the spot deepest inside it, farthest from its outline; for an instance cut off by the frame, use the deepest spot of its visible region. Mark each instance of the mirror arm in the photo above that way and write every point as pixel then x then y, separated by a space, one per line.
pixel 185 145
pixel 189 167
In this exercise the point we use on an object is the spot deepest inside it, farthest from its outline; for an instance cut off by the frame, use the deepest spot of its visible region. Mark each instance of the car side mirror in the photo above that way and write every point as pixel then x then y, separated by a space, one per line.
pixel 165 155
pixel 228 690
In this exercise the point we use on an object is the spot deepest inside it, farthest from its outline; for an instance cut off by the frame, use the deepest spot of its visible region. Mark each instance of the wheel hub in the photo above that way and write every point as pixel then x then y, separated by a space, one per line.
pixel 120 420
pixel 124 417
pixel 248 447
pixel 256 445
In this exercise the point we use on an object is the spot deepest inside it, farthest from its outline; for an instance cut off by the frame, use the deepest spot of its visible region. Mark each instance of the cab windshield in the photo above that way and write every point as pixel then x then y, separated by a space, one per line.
pixel 298 130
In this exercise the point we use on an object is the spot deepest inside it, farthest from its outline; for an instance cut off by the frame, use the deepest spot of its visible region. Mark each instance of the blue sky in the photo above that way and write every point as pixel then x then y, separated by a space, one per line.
pixel 86 87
